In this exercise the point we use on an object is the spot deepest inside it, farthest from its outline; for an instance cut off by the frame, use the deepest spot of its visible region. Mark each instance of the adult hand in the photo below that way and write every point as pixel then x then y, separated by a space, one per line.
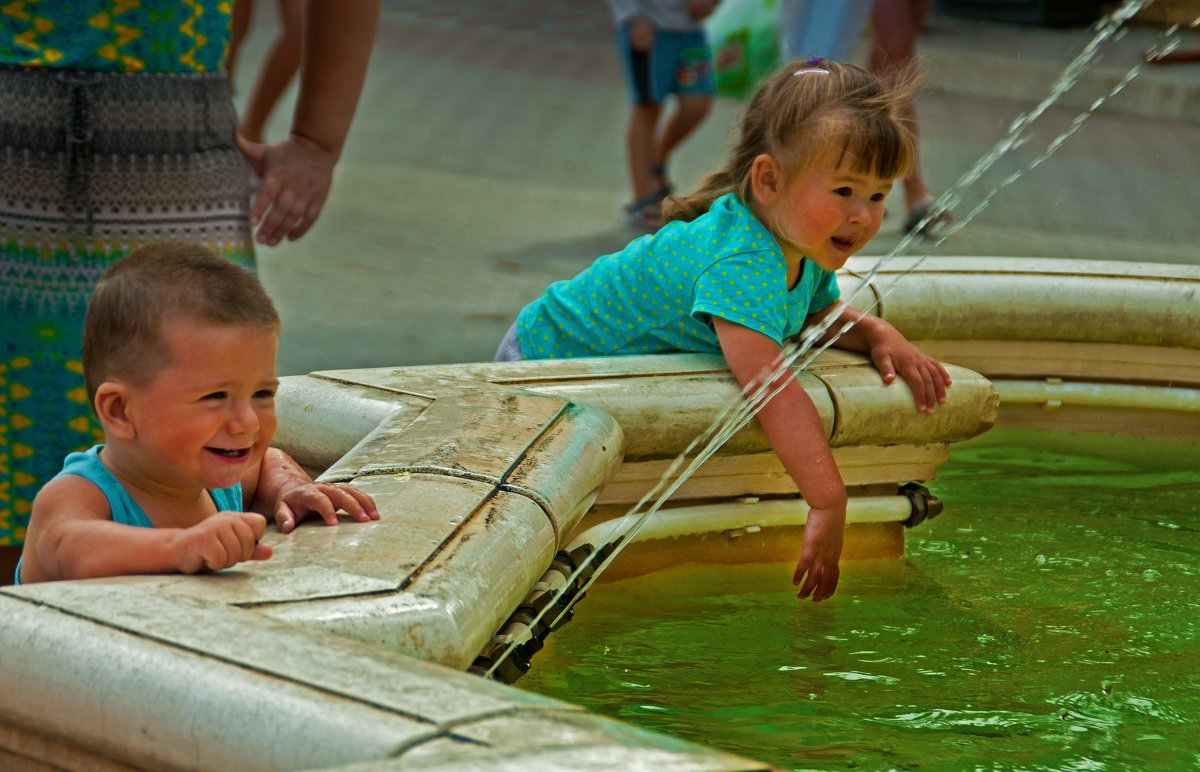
pixel 296 175
pixel 701 9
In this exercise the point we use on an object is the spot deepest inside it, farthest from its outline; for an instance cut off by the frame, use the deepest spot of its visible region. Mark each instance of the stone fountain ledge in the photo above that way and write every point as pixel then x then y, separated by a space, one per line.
pixel 345 650
pixel 1073 345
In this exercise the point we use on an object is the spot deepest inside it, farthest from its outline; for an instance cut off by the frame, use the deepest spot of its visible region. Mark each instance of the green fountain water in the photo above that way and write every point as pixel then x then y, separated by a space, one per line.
pixel 1048 620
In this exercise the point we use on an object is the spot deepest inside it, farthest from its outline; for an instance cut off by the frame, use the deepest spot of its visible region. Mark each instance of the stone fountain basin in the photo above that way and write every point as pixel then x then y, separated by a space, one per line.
pixel 345 650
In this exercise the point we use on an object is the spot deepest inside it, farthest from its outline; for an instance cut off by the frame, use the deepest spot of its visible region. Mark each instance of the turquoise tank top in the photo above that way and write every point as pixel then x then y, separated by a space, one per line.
pixel 124 509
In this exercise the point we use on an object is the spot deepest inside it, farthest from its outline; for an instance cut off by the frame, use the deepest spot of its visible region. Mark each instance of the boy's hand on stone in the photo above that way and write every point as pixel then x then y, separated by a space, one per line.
pixel 220 541
pixel 299 500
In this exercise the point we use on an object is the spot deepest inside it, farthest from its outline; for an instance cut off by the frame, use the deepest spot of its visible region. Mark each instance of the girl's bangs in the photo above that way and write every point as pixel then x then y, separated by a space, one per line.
pixel 879 146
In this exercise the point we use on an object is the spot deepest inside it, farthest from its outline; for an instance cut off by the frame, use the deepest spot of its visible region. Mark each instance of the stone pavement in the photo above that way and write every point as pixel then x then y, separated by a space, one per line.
pixel 486 161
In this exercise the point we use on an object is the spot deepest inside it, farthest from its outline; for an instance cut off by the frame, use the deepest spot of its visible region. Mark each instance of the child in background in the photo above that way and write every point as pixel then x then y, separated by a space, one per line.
pixel 747 262
pixel 179 359
pixel 896 25
pixel 664 51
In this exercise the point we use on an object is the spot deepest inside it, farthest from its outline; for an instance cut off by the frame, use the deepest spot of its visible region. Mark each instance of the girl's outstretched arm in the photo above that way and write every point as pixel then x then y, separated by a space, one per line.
pixel 793 426
pixel 891 352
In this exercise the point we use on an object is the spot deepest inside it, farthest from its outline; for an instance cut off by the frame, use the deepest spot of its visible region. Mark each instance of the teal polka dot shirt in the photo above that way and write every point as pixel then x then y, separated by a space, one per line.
pixel 660 292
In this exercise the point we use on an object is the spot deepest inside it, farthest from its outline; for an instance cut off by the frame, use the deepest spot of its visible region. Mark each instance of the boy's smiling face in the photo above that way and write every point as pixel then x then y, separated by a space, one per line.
pixel 207 418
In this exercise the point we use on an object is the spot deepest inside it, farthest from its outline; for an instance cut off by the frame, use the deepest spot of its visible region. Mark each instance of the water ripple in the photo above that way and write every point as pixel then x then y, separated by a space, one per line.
pixel 854 675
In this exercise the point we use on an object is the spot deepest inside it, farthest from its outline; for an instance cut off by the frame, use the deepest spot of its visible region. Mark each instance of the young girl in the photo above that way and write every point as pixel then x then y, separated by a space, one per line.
pixel 664 51
pixel 748 262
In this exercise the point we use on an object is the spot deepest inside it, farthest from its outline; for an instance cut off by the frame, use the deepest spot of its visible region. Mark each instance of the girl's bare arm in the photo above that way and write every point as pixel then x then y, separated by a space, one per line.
pixel 793 426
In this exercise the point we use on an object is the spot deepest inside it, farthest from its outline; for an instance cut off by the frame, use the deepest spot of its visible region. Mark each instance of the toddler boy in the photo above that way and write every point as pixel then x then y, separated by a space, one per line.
pixel 179 360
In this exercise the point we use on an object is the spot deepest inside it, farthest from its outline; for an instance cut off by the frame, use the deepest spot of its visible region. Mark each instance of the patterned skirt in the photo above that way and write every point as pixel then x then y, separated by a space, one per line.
pixel 92 166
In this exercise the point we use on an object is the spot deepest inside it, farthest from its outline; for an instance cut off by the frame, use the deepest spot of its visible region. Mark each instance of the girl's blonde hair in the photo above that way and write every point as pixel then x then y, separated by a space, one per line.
pixel 804 110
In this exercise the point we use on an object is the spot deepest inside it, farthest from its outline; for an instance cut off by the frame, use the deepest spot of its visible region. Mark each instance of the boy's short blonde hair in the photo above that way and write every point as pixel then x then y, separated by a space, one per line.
pixel 123 333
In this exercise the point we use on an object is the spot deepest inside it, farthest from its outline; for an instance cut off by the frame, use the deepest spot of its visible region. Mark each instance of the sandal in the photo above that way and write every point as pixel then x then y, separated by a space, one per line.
pixel 646 212
pixel 924 222
pixel 647 218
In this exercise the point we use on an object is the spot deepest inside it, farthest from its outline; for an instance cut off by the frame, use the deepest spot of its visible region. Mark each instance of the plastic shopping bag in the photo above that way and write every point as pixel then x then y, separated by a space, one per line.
pixel 744 35
pixel 828 28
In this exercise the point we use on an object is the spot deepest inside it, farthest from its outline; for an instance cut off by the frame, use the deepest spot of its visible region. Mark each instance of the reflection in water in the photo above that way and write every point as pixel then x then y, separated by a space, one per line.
pixel 1029 627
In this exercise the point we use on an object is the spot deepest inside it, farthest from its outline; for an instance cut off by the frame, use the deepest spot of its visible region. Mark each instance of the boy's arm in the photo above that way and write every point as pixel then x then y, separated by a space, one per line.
pixel 889 350
pixel 72 536
pixel 793 426
pixel 280 488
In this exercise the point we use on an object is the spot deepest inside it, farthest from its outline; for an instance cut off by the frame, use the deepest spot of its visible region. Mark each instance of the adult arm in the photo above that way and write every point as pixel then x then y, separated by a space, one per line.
pixel 298 171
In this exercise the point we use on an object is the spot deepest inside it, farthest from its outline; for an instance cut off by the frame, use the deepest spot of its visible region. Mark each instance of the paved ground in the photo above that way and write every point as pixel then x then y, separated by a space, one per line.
pixel 486 161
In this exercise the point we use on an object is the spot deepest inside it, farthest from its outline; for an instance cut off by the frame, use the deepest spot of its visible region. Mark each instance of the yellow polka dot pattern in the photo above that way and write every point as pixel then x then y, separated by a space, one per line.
pixel 658 294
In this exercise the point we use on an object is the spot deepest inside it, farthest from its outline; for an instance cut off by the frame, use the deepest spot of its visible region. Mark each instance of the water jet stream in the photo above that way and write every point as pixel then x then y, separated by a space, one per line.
pixel 739 413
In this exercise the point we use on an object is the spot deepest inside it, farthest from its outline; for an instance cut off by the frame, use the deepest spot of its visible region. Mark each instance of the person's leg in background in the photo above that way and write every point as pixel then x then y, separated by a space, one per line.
pixel 896 25
pixel 278 69
pixel 636 40
pixel 694 88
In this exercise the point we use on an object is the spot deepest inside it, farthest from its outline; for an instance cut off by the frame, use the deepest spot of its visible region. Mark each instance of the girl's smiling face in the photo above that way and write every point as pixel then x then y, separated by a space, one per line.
pixel 825 213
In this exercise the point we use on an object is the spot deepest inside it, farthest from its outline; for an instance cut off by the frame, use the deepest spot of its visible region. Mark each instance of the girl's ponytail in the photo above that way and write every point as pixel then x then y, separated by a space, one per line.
pixel 689 207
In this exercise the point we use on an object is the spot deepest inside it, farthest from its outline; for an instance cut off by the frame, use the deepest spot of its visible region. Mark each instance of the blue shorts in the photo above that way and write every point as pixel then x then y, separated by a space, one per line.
pixel 510 347
pixel 679 63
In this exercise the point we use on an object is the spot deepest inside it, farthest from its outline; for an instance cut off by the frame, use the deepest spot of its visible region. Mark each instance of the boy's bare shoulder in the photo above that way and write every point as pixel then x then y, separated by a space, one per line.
pixel 72 497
